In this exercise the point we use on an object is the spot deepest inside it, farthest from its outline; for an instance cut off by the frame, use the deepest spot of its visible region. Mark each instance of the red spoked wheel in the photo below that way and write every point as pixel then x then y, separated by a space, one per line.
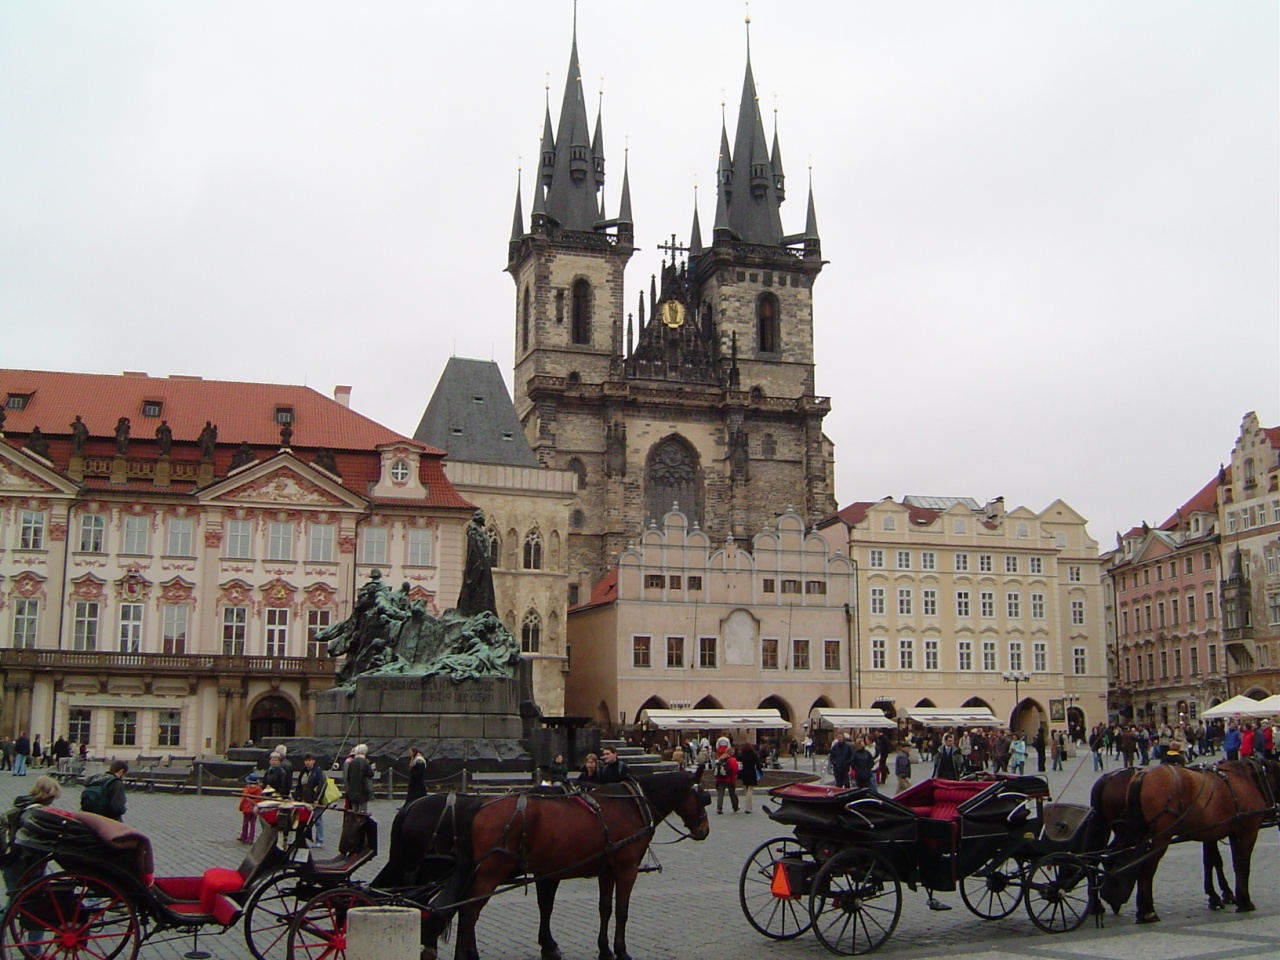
pixel 70 915
pixel 319 930
pixel 270 912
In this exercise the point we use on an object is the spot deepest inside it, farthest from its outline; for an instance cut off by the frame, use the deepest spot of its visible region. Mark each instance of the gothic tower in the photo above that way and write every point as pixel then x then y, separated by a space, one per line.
pixel 707 399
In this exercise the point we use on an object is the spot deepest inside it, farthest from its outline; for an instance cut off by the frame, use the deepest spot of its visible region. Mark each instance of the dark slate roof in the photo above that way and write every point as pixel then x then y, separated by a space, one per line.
pixel 472 418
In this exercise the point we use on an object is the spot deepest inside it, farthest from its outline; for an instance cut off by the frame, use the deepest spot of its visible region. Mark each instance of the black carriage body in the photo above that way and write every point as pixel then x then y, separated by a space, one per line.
pixel 933 834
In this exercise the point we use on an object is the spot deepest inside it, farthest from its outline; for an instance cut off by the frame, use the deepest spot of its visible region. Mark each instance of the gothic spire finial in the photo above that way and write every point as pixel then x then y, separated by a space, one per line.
pixel 624 205
pixel 517 221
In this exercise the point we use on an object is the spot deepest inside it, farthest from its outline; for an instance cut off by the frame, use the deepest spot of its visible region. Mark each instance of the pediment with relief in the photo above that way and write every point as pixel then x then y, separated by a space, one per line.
pixel 283 486
pixel 13 477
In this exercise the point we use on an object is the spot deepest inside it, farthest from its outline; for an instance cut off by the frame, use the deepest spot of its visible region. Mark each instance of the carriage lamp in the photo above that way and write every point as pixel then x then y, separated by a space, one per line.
pixel 1017 678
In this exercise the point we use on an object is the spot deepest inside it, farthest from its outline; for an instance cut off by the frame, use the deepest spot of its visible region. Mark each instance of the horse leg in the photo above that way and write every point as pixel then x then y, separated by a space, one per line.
pixel 1146 902
pixel 1227 895
pixel 546 903
pixel 1211 860
pixel 481 887
pixel 1241 855
pixel 606 910
pixel 624 884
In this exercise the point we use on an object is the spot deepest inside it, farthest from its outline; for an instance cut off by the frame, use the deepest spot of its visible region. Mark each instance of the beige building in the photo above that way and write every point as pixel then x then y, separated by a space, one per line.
pixel 687 622
pixel 160 588
pixel 969 605
pixel 1249 521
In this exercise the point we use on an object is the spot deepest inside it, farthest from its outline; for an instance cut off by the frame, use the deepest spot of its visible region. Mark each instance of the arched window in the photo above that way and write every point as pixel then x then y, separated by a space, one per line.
pixel 574 377
pixel 672 475
pixel 577 519
pixel 533 550
pixel 531 632
pixel 768 447
pixel 577 467
pixel 581 311
pixel 524 323
pixel 495 548
pixel 767 324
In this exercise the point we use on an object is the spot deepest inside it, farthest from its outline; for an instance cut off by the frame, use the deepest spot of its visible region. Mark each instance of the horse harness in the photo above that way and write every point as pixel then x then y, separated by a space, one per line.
pixel 1257 774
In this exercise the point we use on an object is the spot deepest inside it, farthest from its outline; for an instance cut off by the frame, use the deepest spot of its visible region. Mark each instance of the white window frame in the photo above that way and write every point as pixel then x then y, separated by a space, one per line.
pixel 320 537
pixel 931 647
pixel 1035 564
pixel 235 631
pixel 1077 613
pixel 420 542
pixel 801 654
pixel 276 632
pixel 962 562
pixel 181 537
pixel 928 560
pixel 964 656
pixel 318 619
pixel 136 541
pixel 1010 563
pixel 990 657
pixel 31 530
pixel 1013 605
pixel 85 623
pixel 280 541
pixel 1079 661
pixel 905 601
pixel 985 563
pixel 373 548
pixel 238 542
pixel 906 653
pixel 964 604
pixel 1015 655
pixel 130 633
pixel 929 602
pixel 879 653
pixel 176 631
pixel 987 604
pixel 902 560
pixel 877 601
pixel 93 533
pixel 1074 573
pixel 1037 606
pixel 875 558
pixel 1040 656
pixel 26 623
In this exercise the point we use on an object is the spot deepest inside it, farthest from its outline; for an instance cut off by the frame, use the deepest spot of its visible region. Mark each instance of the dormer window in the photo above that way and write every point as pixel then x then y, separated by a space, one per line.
pixel 152 408
pixel 477 398
pixel 456 431
pixel 17 401
pixel 284 415
pixel 400 471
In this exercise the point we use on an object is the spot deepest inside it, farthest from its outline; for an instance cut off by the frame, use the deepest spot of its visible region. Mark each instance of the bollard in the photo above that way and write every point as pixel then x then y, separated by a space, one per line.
pixel 383 933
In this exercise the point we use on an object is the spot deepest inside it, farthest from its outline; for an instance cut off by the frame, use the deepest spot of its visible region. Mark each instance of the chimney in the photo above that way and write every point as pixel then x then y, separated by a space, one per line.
pixel 342 395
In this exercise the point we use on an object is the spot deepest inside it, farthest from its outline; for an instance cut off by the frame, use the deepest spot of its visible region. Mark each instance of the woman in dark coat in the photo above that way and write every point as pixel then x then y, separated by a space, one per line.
pixel 417 775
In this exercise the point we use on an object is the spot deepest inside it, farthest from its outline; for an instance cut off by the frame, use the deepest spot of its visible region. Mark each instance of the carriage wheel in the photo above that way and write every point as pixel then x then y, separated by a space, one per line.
pixel 270 910
pixel 319 931
pixel 777 917
pixel 1060 893
pixel 855 903
pixel 995 890
pixel 69 915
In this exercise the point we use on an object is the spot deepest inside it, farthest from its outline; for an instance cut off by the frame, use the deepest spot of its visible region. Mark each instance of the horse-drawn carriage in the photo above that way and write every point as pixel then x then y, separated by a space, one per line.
pixel 449 855
pixel 1000 842
pixel 842 870
pixel 91 888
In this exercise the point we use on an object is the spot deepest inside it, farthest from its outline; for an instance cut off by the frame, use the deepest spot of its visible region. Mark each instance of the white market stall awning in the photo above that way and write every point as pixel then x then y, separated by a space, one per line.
pixel 951 716
pixel 1239 706
pixel 714 719
pixel 1271 704
pixel 835 718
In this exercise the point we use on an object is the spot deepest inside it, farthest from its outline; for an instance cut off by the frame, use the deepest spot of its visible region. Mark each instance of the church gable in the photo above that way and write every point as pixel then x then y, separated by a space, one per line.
pixel 19 474
pixel 282 485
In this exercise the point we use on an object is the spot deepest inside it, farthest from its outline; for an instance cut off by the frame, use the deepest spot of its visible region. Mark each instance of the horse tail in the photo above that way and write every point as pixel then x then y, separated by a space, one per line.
pixel 1098 829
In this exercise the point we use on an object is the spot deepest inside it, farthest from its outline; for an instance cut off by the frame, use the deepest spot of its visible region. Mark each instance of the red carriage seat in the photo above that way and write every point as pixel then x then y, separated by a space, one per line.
pixel 205 895
pixel 941 799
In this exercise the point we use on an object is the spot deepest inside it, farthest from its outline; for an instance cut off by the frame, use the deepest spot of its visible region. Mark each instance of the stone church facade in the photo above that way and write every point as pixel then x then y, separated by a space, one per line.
pixel 704 397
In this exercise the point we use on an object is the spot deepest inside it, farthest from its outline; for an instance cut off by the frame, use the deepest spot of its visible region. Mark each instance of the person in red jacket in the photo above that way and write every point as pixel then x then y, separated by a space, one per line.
pixel 1268 737
pixel 1246 740
pixel 726 767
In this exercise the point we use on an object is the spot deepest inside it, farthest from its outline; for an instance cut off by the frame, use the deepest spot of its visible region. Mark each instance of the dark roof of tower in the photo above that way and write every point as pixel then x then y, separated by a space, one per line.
pixel 624 205
pixel 572 203
pixel 753 213
pixel 471 416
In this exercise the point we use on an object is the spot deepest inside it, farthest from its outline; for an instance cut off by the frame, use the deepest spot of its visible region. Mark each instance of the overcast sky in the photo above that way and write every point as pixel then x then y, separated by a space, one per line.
pixel 1052 227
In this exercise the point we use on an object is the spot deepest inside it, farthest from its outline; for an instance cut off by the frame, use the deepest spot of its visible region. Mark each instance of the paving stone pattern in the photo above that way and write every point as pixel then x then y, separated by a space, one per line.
pixel 691 908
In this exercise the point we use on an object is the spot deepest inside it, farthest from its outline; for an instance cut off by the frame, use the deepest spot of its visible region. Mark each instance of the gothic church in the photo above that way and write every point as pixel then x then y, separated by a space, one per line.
pixel 704 397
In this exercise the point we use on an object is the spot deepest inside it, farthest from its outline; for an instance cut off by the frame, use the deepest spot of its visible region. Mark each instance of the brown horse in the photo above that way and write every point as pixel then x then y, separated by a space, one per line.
pixel 1169 803
pixel 1108 828
pixel 603 834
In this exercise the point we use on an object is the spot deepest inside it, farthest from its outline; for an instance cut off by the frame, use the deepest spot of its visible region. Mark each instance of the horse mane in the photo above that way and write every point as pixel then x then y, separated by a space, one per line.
pixel 664 790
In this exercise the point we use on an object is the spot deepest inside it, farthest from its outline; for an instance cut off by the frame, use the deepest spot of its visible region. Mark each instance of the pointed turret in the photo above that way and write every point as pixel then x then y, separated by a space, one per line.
pixel 695 231
pixel 624 205
pixel 779 178
pixel 548 146
pixel 597 145
pixel 812 243
pixel 538 215
pixel 726 159
pixel 720 229
pixel 753 200
pixel 571 195
pixel 517 221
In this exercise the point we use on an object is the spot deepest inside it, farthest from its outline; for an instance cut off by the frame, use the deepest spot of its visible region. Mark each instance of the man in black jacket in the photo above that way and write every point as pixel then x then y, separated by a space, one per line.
pixel 114 801
pixel 612 770
pixel 357 780
pixel 841 754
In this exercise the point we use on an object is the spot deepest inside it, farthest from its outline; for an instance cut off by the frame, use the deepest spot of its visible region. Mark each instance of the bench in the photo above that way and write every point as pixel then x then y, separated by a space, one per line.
pixel 941 799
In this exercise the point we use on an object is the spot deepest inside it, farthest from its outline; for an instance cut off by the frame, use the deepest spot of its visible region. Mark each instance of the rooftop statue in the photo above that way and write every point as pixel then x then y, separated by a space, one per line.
pixel 389 634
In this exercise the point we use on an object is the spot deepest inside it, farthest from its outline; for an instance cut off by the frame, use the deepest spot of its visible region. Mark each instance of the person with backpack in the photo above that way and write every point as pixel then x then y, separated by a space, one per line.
pixel 17 860
pixel 726 767
pixel 105 793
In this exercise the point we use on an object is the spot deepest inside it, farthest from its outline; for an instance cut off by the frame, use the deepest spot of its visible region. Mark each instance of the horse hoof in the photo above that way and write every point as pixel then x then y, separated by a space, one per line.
pixel 1245 908
pixel 1152 917
pixel 552 954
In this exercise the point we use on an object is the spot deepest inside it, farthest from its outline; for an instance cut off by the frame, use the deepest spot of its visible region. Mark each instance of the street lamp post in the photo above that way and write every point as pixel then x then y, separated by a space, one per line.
pixel 1017 678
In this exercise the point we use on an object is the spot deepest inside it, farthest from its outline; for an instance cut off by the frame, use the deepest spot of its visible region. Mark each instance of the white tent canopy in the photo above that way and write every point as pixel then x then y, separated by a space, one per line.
pixel 714 719
pixel 951 716
pixel 1272 703
pixel 838 718
pixel 1242 706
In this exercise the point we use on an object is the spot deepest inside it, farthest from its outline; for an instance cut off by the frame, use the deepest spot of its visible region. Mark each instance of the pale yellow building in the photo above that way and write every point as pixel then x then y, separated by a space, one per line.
pixel 683 621
pixel 969 605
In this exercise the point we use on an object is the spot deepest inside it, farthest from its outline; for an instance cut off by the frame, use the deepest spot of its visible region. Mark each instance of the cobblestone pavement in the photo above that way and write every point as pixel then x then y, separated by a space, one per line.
pixel 691 908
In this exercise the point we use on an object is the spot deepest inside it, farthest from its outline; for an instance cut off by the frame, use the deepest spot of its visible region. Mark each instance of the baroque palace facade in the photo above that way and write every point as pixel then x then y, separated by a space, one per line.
pixel 170 547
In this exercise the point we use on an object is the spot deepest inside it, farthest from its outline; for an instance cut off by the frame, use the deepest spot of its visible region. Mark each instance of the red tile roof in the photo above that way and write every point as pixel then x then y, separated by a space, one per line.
pixel 1273 436
pixel 603 593
pixel 241 411
pixel 1205 501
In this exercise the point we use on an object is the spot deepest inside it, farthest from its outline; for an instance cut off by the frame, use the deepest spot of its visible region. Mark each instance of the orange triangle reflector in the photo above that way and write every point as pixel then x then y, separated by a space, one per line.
pixel 781 886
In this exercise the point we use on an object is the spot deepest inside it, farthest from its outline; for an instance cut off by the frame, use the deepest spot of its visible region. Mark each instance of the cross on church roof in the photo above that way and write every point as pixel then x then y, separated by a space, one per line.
pixel 672 248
